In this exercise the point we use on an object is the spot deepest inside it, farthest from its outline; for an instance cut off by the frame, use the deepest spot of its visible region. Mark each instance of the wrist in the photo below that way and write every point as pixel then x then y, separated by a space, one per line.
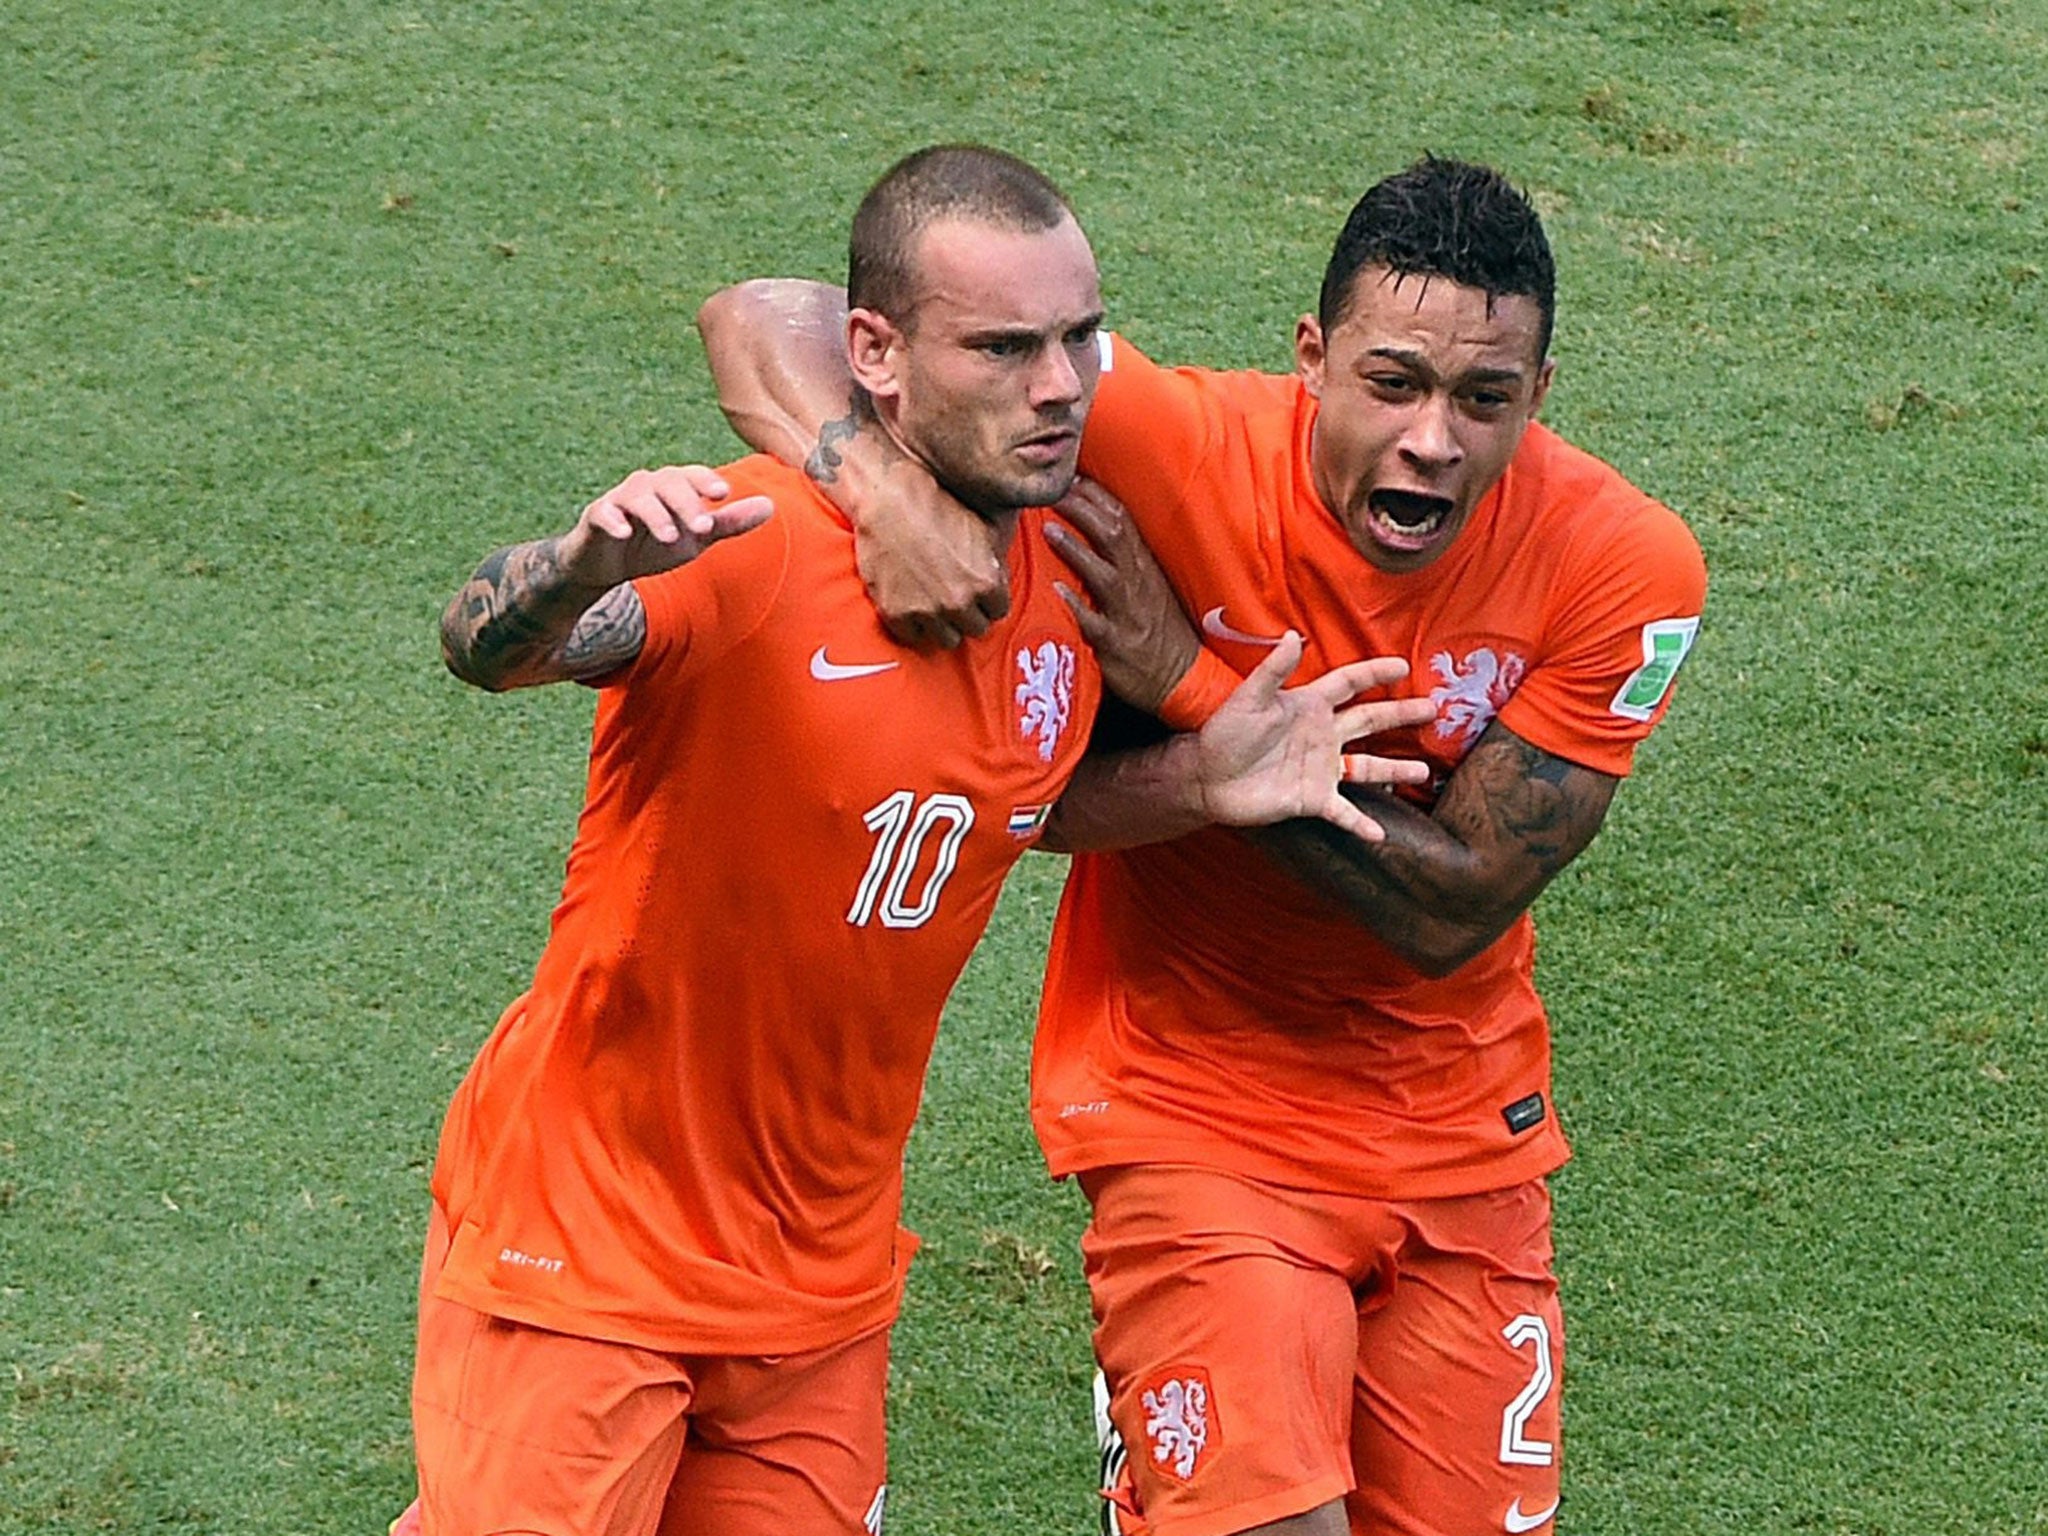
pixel 865 468
pixel 1186 785
pixel 574 556
pixel 1200 692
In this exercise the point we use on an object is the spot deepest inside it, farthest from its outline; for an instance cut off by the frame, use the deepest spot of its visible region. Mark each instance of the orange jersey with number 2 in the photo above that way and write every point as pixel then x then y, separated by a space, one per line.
pixel 1203 1008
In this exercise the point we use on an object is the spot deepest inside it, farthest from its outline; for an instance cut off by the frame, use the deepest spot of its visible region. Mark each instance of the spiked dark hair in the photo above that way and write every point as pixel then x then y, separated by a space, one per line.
pixel 1449 219
pixel 945 181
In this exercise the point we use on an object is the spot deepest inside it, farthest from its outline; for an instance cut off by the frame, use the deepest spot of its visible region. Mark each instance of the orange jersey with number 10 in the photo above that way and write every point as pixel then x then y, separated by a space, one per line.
pixel 689 1133
pixel 1203 1008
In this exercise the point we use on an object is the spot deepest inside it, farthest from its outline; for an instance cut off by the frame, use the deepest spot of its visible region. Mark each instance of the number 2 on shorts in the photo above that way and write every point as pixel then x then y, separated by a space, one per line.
pixel 1516 1448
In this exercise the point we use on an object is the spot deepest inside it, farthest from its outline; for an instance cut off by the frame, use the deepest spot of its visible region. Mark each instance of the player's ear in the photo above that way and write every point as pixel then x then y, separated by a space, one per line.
pixel 1309 354
pixel 1543 377
pixel 874 350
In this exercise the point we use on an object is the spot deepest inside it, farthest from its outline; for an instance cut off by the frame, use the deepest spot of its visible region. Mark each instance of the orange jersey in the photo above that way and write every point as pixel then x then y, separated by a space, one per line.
pixel 689 1133
pixel 1202 1007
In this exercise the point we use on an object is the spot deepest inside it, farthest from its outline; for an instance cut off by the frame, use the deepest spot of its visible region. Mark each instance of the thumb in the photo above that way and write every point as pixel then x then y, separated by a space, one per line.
pixel 738 517
pixel 1278 666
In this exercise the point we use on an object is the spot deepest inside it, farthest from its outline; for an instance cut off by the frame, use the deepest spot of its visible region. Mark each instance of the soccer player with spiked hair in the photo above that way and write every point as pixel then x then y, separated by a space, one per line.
pixel 1305 1083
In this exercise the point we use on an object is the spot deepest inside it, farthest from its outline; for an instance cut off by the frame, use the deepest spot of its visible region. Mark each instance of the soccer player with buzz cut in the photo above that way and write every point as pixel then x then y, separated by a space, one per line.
pixel 664 1253
pixel 1304 1083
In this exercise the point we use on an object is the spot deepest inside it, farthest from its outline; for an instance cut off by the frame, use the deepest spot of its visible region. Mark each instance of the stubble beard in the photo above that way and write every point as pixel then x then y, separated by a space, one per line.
pixel 977 480
pixel 992 500
pixel 990 495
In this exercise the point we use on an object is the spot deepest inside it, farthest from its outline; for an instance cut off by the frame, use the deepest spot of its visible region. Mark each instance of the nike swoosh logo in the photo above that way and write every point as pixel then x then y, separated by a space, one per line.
pixel 1516 1522
pixel 1212 621
pixel 834 672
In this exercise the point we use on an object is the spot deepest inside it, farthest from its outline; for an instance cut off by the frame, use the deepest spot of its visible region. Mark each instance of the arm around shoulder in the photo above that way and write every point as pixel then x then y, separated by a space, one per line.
pixel 777 349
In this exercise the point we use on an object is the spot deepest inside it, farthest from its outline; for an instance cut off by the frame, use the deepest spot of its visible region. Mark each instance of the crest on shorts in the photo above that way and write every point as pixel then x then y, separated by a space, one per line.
pixel 1045 694
pixel 1180 1421
pixel 1469 693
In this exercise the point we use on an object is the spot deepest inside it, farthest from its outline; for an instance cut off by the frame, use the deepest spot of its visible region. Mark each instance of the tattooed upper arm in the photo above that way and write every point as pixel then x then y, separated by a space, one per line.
pixel 1442 887
pixel 519 621
pixel 1523 812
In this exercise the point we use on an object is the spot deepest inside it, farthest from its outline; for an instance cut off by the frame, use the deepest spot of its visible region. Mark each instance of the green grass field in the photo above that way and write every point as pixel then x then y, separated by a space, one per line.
pixel 302 308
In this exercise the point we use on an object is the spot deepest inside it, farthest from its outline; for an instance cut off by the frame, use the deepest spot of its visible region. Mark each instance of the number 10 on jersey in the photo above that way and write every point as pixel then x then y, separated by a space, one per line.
pixel 902 824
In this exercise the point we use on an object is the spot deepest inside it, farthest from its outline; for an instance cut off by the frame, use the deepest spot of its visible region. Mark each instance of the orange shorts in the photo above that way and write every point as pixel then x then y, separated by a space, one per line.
pixel 1270 1350
pixel 523 1432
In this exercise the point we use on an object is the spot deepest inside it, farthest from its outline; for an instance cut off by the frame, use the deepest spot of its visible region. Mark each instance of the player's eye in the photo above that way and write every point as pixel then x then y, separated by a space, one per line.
pixel 1082 336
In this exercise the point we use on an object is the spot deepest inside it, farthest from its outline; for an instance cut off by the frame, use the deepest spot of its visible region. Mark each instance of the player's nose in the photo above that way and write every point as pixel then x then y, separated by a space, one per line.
pixel 1431 440
pixel 1055 380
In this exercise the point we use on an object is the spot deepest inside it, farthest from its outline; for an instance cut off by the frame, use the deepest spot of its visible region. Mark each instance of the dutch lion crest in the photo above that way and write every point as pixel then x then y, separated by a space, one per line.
pixel 1045 696
pixel 1472 691
pixel 1177 1423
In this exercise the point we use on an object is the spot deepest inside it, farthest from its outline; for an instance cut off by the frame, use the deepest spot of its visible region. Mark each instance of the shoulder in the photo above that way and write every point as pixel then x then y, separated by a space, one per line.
pixel 759 474
pixel 802 516
pixel 1560 474
pixel 1162 437
pixel 1600 515
pixel 710 603
pixel 1219 393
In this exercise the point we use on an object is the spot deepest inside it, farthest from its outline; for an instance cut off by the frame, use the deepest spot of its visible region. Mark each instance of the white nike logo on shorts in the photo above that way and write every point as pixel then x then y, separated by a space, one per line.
pixel 1212 621
pixel 1515 1522
pixel 832 671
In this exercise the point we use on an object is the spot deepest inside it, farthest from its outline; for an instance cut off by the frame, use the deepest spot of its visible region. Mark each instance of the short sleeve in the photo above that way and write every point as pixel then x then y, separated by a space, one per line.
pixel 698 612
pixel 1624 615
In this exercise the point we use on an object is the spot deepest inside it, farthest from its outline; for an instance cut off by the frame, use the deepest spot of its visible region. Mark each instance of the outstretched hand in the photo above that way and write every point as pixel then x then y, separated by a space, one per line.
pixel 653 521
pixel 1272 753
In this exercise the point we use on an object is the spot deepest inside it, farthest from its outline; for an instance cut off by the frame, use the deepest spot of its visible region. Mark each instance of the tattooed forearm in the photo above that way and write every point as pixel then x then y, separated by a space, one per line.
pixel 1520 795
pixel 1442 887
pixel 1413 891
pixel 520 620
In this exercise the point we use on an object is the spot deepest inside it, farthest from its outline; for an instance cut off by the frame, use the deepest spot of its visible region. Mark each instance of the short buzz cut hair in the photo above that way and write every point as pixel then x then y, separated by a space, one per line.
pixel 1449 219
pixel 966 181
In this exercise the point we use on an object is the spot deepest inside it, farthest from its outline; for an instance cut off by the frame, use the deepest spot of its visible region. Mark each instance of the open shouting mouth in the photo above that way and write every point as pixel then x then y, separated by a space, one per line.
pixel 1407 519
